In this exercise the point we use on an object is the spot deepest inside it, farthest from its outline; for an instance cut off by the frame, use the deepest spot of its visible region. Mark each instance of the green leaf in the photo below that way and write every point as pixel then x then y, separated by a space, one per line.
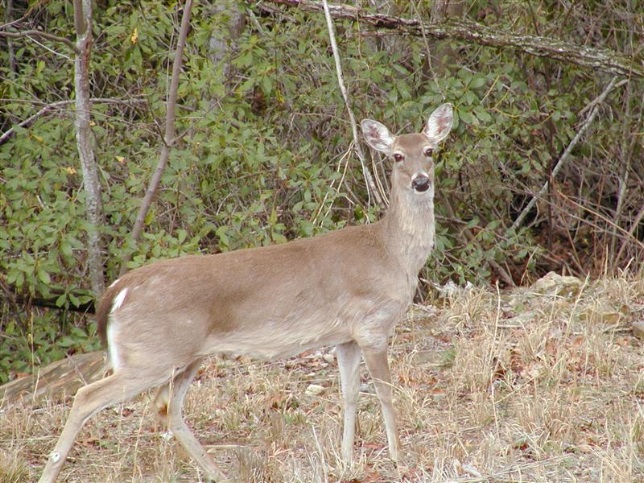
pixel 61 301
pixel 43 276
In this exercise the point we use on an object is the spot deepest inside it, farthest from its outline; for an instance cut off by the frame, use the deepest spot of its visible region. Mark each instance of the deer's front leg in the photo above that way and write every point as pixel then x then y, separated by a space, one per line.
pixel 376 360
pixel 348 355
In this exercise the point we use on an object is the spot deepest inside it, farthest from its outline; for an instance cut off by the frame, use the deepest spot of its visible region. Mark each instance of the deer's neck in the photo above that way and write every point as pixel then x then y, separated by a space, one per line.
pixel 409 229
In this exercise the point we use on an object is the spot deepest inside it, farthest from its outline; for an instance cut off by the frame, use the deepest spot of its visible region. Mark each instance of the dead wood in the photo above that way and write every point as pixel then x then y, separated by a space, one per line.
pixel 604 60
pixel 56 381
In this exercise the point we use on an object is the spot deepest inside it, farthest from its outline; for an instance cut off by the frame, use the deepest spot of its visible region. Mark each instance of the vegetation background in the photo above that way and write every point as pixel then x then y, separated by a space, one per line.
pixel 263 149
pixel 543 172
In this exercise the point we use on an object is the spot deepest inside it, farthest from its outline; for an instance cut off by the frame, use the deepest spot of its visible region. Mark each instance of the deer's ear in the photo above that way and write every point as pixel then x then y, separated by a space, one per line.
pixel 440 123
pixel 377 136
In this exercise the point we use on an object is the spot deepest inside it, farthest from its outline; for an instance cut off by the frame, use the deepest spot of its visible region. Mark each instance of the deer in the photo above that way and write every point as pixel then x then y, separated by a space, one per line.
pixel 347 288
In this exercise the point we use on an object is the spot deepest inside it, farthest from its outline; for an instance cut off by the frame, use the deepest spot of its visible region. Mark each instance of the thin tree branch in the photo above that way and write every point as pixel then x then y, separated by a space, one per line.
pixel 613 84
pixel 371 187
pixel 5 136
pixel 625 159
pixel 609 222
pixel 594 58
pixel 169 137
pixel 42 35
pixel 31 119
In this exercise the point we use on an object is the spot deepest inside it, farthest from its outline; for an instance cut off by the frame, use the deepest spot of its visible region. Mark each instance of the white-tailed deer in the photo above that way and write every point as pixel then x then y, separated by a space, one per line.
pixel 347 288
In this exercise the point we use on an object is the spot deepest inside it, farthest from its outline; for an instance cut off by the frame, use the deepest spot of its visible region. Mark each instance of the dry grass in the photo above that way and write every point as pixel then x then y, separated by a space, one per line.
pixel 540 385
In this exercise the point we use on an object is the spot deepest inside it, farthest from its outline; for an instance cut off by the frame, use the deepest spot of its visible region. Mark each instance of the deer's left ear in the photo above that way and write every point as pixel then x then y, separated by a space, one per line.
pixel 440 123
pixel 377 136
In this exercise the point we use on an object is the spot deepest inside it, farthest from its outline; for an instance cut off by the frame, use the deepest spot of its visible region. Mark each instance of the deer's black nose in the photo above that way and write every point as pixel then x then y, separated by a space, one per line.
pixel 420 183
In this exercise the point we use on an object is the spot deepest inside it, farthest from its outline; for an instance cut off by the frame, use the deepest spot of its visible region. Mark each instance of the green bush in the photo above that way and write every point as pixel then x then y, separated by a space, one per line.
pixel 264 149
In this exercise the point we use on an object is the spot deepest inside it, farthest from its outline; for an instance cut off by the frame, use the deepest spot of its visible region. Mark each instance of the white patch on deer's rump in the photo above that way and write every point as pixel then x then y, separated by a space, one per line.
pixel 118 300
pixel 112 347
pixel 112 330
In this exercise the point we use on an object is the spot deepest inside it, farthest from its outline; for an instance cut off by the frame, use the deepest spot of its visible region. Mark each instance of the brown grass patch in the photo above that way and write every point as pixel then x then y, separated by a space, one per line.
pixel 538 384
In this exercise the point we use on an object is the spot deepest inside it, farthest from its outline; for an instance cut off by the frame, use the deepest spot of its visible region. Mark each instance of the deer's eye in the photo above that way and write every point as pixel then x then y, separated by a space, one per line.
pixel 428 151
pixel 398 157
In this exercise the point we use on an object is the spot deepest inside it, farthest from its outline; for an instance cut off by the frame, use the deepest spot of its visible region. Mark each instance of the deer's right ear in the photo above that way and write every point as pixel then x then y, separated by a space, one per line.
pixel 440 123
pixel 377 136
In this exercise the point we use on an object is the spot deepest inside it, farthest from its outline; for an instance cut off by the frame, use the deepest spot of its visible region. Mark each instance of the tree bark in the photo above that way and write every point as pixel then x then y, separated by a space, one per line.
pixel 232 21
pixel 84 142
pixel 601 59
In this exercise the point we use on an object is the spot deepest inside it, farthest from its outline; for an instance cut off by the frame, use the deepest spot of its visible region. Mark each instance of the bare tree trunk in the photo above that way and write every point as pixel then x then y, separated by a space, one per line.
pixel 223 39
pixel 84 141
pixel 8 17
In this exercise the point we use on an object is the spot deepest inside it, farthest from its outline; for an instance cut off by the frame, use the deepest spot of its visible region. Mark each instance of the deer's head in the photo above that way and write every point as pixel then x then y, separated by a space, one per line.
pixel 413 164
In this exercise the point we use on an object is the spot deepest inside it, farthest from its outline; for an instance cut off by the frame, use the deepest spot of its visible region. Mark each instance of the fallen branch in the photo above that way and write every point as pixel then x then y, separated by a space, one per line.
pixel 57 381
pixel 594 58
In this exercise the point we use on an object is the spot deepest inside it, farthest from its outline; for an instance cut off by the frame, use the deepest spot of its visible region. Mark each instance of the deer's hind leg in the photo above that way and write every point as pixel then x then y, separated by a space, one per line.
pixel 169 404
pixel 120 386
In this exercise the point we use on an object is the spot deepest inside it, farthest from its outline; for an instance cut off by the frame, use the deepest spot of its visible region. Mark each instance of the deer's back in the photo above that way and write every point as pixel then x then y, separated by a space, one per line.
pixel 266 302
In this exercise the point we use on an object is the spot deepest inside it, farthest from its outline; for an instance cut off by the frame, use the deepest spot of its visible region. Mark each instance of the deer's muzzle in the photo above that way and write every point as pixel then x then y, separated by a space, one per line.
pixel 420 183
